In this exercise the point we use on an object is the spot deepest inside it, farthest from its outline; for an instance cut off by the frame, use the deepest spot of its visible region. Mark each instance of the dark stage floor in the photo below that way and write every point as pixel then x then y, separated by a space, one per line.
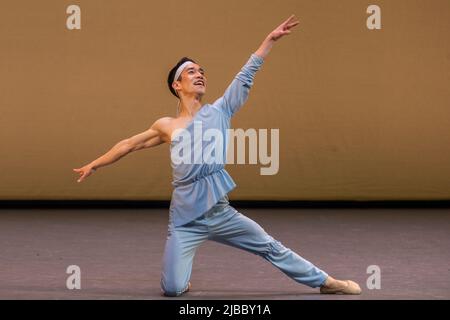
pixel 120 252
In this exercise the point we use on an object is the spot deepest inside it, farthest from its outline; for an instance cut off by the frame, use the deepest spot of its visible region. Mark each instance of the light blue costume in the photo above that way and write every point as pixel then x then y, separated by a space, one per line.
pixel 200 210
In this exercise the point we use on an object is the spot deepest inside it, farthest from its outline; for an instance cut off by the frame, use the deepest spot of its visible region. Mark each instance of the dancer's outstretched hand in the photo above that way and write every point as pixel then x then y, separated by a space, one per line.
pixel 284 28
pixel 84 172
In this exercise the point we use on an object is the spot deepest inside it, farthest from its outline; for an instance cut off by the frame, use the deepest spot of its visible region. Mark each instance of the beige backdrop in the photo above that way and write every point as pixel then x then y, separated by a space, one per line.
pixel 363 114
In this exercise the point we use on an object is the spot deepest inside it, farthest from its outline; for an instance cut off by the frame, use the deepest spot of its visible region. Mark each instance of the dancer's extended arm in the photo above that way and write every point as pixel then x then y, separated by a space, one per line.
pixel 147 139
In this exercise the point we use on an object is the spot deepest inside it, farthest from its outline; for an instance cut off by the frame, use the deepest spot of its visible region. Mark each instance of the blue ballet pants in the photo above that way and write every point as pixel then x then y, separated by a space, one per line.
pixel 224 224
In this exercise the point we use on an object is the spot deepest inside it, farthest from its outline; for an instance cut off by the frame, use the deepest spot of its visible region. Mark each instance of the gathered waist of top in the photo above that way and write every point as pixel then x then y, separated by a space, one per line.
pixel 196 178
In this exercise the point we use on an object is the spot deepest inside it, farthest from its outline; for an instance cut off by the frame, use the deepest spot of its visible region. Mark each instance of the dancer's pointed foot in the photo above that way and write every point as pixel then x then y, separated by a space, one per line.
pixel 333 286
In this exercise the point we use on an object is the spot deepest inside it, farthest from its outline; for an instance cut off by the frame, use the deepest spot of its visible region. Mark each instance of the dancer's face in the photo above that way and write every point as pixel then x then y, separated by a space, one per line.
pixel 193 81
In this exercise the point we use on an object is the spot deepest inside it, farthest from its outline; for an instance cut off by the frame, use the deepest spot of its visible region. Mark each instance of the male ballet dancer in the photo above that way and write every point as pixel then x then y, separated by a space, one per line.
pixel 199 208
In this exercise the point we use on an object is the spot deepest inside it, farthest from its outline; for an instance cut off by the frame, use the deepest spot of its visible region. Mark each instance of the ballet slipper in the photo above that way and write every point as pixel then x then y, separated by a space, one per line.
pixel 350 287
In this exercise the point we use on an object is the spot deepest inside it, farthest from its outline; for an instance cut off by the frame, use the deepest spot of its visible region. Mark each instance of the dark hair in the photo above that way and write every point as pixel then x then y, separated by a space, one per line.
pixel 170 78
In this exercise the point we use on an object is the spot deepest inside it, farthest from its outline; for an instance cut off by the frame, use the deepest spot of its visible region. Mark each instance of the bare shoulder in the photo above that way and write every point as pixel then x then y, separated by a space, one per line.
pixel 164 127
pixel 162 124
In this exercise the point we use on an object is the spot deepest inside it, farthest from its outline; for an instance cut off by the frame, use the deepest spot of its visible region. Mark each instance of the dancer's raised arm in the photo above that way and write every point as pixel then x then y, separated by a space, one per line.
pixel 280 31
pixel 237 92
